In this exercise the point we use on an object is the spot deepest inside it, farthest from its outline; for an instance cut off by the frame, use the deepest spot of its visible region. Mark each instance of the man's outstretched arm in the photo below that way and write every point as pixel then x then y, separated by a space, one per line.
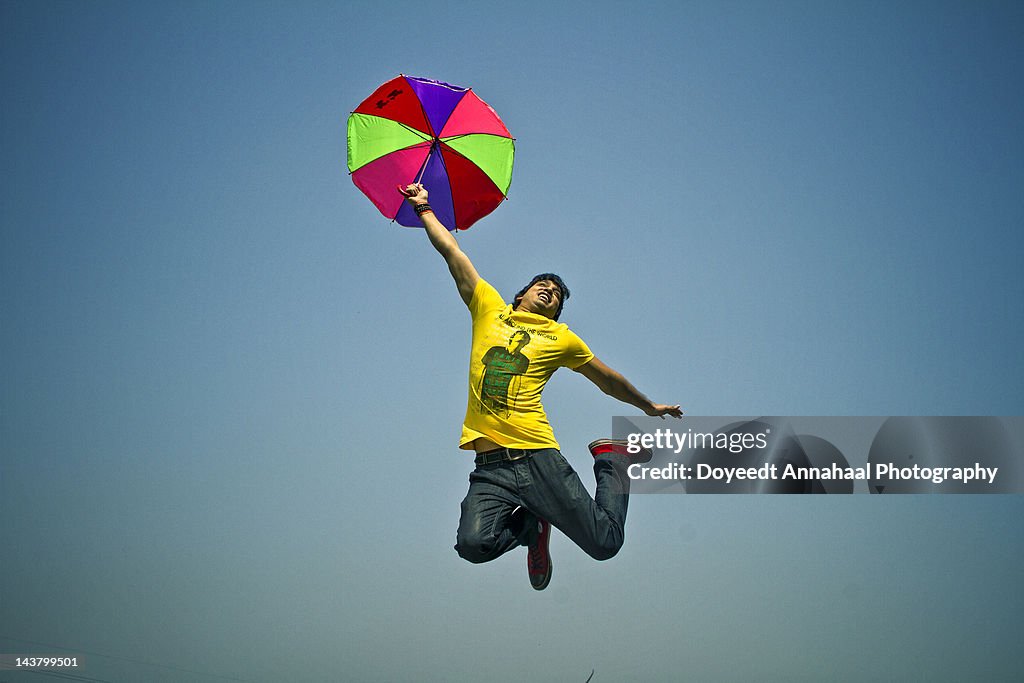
pixel 459 265
pixel 617 386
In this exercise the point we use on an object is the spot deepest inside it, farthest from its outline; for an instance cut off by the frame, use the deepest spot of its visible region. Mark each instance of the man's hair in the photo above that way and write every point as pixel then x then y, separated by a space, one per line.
pixel 537 278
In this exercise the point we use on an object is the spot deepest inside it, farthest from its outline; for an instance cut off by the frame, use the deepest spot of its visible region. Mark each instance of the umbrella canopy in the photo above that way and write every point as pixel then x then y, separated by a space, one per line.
pixel 417 130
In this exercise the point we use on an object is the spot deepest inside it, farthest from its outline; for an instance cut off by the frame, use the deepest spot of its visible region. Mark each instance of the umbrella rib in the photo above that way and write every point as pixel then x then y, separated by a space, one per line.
pixel 449 138
pixel 413 130
pixel 455 219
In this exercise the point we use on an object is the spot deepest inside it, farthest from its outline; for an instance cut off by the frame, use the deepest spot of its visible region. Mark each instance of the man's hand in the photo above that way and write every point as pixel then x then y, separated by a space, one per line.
pixel 414 193
pixel 661 410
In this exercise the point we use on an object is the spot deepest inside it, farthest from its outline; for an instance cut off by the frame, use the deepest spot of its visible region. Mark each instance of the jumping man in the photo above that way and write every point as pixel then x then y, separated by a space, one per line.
pixel 522 485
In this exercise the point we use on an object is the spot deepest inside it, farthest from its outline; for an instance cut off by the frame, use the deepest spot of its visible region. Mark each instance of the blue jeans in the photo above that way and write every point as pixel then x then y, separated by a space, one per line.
pixel 548 487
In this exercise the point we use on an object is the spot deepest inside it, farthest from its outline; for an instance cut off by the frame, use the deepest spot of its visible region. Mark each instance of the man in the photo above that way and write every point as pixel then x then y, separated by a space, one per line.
pixel 522 484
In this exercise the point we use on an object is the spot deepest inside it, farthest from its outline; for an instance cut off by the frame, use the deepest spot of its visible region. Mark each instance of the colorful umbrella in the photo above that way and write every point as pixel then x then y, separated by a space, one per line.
pixel 415 130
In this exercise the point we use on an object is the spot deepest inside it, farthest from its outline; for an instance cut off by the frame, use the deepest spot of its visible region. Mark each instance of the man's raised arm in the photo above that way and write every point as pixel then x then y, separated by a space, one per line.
pixel 461 267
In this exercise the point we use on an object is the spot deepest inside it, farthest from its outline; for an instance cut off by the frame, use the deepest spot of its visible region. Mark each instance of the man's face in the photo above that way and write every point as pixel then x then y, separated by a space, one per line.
pixel 542 298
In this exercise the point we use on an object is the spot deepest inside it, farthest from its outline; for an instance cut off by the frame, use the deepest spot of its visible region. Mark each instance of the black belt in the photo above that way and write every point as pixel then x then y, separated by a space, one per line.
pixel 504 455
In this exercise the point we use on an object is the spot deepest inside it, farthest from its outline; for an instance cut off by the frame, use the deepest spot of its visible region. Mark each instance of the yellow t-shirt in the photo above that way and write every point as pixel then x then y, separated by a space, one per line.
pixel 514 354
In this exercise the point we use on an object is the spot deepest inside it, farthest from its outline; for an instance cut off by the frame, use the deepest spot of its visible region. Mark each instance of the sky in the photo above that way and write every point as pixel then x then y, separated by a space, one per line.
pixel 232 390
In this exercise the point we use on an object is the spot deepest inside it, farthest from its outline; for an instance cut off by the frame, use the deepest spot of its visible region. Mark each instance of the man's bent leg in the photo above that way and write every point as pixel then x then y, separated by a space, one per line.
pixel 612 493
pixel 554 492
pixel 490 525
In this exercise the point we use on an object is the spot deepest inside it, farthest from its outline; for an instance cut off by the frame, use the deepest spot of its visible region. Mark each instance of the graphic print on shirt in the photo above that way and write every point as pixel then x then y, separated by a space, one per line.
pixel 504 367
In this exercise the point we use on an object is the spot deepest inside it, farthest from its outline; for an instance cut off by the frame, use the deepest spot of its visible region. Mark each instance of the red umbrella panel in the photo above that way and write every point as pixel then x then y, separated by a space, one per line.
pixel 418 130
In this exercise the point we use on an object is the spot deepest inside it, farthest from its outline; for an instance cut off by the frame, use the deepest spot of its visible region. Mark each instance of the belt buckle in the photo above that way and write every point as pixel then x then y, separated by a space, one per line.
pixel 517 453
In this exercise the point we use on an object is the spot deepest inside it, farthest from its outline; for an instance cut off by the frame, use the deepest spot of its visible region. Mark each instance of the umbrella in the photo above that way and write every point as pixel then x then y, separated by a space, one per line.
pixel 417 130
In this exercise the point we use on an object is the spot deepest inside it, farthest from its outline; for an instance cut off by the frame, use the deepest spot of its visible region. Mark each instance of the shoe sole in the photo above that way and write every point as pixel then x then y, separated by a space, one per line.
pixel 547 579
pixel 645 454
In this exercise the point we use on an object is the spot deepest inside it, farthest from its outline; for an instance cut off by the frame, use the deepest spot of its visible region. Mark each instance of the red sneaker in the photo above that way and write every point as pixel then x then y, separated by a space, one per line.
pixel 538 558
pixel 620 447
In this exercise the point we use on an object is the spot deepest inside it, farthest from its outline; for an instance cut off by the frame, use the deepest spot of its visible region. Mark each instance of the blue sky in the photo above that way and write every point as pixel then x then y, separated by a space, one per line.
pixel 232 391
